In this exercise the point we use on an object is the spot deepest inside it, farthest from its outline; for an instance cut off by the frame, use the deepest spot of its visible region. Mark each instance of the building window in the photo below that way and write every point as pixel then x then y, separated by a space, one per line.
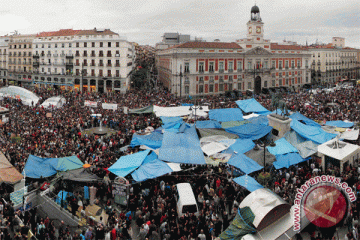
pixel 273 83
pixel 211 88
pixel 117 44
pixel 265 83
pixel 201 88
pixel 230 78
pixel 201 80
pixel 211 79
pixel 249 65
pixel 77 44
pixel 109 44
pixel 306 63
pixel 280 82
pixel 293 81
pixel 239 66
pixel 101 44
pixel 266 64
pixel 298 63
pixel 63 45
pixel 221 87
pixel 280 64
pixel 221 66
pixel 230 86
pixel 239 77
pixel 187 67
pixel 231 66
pixel 85 44
pixel 211 67
pixel 249 85
pixel 187 89
pixel 307 79
pixel 239 86
pixel 286 64
pixel 201 67
pixel 286 81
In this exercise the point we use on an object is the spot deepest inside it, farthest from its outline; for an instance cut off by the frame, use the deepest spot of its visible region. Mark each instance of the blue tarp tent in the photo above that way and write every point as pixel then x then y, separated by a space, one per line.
pixel 37 167
pixel 226 114
pixel 312 133
pixel 182 147
pixel 126 164
pixel 301 118
pixel 286 160
pixel 150 170
pixel 250 131
pixel 242 145
pixel 248 182
pixel 208 124
pixel 259 120
pixel 63 194
pixel 244 163
pixel 251 105
pixel 166 120
pixel 340 124
pixel 187 104
pixel 152 140
pixel 282 147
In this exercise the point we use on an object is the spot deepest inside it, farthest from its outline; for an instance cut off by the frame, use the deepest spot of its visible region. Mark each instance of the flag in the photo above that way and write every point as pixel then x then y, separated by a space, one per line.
pixel 30 235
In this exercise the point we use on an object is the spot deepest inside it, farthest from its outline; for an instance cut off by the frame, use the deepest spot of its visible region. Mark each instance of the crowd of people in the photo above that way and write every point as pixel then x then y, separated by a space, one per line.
pixel 31 131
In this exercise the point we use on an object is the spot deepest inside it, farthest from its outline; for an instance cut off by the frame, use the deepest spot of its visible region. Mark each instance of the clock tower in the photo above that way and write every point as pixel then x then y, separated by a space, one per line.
pixel 255 25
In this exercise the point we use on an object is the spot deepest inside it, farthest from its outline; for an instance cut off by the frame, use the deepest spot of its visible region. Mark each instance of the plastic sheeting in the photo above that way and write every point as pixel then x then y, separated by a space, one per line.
pixel 230 124
pixel 315 134
pixel 126 164
pixel 350 135
pixel 258 156
pixel 250 131
pixel 240 226
pixel 150 170
pixel 251 105
pixel 248 182
pixel 340 124
pixel 208 124
pixel 215 144
pixel 152 140
pixel 80 175
pixel 226 114
pixel 37 167
pixel 287 160
pixel 182 147
pixel 242 145
pixel 166 120
pixel 55 102
pixel 259 120
pixel 305 147
pixel 301 118
pixel 8 173
pixel 244 163
pixel 27 97
pixel 148 109
pixel 180 111
pixel 204 132
pixel 282 147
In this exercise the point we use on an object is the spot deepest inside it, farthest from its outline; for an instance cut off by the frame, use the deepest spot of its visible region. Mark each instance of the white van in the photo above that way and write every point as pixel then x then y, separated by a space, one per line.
pixel 185 199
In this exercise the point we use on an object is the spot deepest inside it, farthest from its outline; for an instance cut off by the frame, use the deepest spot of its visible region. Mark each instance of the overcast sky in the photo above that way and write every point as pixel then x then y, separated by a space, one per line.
pixel 145 21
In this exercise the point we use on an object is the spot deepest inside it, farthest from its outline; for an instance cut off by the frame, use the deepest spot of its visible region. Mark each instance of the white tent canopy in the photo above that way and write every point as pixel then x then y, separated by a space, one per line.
pixel 56 102
pixel 26 96
pixel 180 111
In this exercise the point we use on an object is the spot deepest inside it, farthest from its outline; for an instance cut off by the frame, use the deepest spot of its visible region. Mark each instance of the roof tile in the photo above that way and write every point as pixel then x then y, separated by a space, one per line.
pixel 223 45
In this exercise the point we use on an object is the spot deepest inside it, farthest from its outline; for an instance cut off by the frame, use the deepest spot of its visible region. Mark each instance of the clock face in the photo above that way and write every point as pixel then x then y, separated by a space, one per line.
pixel 258 29
pixel 250 29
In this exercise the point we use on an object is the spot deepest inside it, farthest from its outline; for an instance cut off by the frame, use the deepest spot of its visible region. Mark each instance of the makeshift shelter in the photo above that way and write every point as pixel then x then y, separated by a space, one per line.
pixel 126 164
pixel 96 212
pixel 305 147
pixel 215 144
pixel 230 124
pixel 301 118
pixel 180 111
pixel 248 182
pixel 37 167
pixel 287 160
pixel 79 175
pixel 282 147
pixel 152 140
pixel 244 163
pixel 182 147
pixel 204 132
pixel 251 105
pixel 266 206
pixel 148 109
pixel 208 124
pixel 27 97
pixel 8 173
pixel 150 170
pixel 315 134
pixel 250 131
pixel 259 120
pixel 226 114
pixel 240 226
pixel 258 156
pixel 340 124
pixel 166 120
pixel 54 102
pixel 338 153
pixel 350 134
pixel 251 115
pixel 242 145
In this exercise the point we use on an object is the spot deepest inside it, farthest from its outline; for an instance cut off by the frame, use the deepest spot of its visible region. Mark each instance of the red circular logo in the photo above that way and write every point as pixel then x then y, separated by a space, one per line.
pixel 325 206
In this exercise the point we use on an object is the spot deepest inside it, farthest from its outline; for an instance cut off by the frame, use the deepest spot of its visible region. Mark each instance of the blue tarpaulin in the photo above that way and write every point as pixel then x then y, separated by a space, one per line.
pixel 37 167
pixel 287 160
pixel 126 164
pixel 208 124
pixel 301 118
pixel 340 124
pixel 242 145
pixel 250 131
pixel 187 104
pixel 166 120
pixel 152 140
pixel 248 182
pixel 282 147
pixel 251 105
pixel 226 114
pixel 259 120
pixel 150 170
pixel 312 133
pixel 244 163
pixel 182 147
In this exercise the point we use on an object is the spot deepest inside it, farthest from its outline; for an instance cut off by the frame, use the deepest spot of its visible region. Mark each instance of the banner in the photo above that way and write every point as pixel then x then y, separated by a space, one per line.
pixel 90 104
pixel 111 106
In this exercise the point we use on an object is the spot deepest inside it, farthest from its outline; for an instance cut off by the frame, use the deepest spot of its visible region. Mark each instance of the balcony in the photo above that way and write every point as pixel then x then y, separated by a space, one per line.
pixel 239 70
pixel 36 56
pixel 84 64
pixel 280 68
pixel 93 55
pixel 69 64
pixel 117 55
pixel 109 65
pixel 211 70
pixel 69 56
pixel 231 70
pixel 101 64
pixel 36 64
pixel 201 70
pixel 286 67
pixel 109 55
pixel 117 65
pixel 77 55
pixel 84 55
pixel 77 64
pixel 48 55
pixel 101 55
pixel 55 55
pixel 221 70
pixel 92 64
pixel 292 67
pixel 62 55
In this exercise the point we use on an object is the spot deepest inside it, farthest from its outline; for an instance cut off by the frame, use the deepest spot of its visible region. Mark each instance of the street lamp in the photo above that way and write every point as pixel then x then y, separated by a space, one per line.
pixel 264 145
pixel 195 107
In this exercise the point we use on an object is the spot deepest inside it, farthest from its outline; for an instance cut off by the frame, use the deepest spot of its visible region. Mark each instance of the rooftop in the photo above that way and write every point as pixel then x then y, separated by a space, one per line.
pixel 276 46
pixel 222 45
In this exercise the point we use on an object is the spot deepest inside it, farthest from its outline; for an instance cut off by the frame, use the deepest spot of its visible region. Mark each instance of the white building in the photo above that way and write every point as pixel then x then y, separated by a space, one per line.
pixel 87 60
pixel 4 49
